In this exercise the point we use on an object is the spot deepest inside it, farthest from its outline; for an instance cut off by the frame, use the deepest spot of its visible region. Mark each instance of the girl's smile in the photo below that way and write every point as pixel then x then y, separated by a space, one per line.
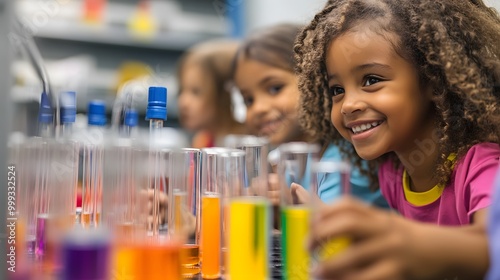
pixel 269 127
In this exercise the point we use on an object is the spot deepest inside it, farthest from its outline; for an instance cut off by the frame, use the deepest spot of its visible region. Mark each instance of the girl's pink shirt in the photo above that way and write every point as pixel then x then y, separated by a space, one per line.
pixel 470 188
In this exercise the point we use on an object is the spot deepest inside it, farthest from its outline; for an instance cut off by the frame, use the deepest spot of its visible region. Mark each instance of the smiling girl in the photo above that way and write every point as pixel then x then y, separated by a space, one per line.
pixel 412 86
pixel 263 72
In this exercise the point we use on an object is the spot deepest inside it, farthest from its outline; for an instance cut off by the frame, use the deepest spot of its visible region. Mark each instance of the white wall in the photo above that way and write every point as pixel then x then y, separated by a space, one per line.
pixel 260 13
pixel 493 3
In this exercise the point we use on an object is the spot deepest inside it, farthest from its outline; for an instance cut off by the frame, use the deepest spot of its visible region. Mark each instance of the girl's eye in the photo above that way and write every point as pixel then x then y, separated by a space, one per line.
pixel 196 91
pixel 274 90
pixel 248 101
pixel 371 80
pixel 334 91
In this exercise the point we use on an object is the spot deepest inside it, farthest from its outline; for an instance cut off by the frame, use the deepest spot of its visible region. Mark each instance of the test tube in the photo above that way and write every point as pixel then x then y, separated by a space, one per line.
pixel 125 213
pixel 29 195
pixel 184 207
pixel 157 256
pixel 92 158
pixel 211 217
pixel 256 165
pixel 319 172
pixel 62 180
pixel 127 210
pixel 156 114
pixel 120 194
pixel 16 214
pixel 248 226
pixel 294 166
pixel 256 168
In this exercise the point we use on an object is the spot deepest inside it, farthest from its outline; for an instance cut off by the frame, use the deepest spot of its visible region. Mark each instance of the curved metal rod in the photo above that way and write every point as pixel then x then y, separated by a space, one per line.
pixel 28 43
pixel 123 101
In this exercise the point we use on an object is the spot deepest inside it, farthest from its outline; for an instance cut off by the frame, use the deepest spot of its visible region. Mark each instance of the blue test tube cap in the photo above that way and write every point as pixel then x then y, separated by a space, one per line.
pixel 45 113
pixel 157 104
pixel 97 113
pixel 131 117
pixel 68 106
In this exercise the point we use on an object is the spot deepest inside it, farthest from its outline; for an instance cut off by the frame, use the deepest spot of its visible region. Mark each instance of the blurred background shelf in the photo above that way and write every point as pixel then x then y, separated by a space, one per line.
pixel 94 58
pixel 121 36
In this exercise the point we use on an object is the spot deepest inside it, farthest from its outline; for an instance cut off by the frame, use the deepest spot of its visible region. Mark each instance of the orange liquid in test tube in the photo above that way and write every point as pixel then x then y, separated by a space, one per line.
pixel 211 236
pixel 147 261
pixel 190 260
pixel 158 262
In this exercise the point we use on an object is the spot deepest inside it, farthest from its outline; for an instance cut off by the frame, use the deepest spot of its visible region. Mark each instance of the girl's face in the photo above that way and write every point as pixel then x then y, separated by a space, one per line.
pixel 271 96
pixel 196 99
pixel 378 103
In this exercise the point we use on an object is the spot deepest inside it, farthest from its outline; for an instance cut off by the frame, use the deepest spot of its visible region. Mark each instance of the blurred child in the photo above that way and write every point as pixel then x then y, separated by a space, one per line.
pixel 204 76
pixel 409 83
pixel 263 72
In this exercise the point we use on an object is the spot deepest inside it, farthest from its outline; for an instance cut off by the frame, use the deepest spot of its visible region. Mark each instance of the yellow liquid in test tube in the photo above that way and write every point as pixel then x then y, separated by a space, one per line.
pixel 295 229
pixel 211 236
pixel 249 232
pixel 124 262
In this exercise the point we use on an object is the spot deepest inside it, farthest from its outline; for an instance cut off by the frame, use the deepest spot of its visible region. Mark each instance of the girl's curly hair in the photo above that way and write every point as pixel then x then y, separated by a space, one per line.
pixel 453 44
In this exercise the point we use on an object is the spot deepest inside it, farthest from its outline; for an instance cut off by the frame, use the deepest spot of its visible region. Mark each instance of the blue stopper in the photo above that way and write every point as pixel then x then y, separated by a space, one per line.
pixel 68 106
pixel 157 104
pixel 45 114
pixel 97 113
pixel 131 117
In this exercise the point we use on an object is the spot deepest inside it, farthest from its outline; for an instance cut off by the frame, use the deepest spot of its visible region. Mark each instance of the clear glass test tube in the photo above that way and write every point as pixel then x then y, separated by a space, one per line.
pixel 46 199
pixel 119 197
pixel 29 194
pixel 184 207
pixel 126 174
pixel 256 166
pixel 16 208
pixel 248 222
pixel 62 184
pixel 92 158
pixel 211 215
pixel 128 201
pixel 319 172
pixel 294 166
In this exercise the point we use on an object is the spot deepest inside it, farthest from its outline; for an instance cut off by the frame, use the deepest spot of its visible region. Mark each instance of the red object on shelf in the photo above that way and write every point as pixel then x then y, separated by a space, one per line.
pixel 93 10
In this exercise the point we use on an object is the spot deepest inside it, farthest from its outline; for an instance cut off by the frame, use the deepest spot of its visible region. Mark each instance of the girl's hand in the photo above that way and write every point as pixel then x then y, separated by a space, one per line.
pixel 188 218
pixel 162 207
pixel 274 189
pixel 299 194
pixel 381 245
pixel 302 196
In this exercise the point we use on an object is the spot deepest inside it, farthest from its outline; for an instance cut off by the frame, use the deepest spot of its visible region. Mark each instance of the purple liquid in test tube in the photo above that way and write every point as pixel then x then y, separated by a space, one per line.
pixel 41 235
pixel 86 256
